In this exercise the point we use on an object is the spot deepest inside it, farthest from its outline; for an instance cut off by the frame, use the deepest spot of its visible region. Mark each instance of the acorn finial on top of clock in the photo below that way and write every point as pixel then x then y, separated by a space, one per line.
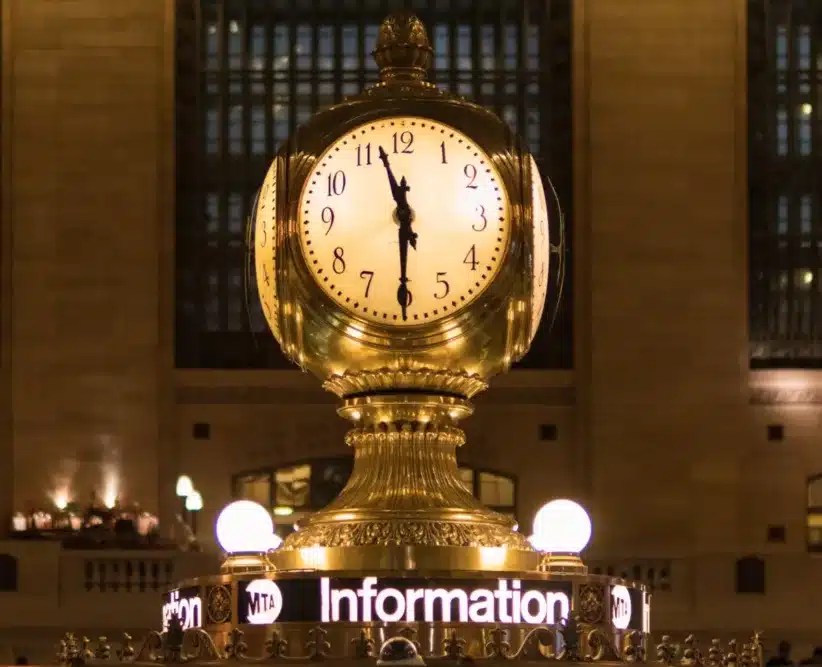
pixel 403 51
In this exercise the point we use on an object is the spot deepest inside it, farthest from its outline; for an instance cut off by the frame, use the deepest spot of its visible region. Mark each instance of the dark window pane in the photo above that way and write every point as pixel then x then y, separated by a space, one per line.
pixel 784 82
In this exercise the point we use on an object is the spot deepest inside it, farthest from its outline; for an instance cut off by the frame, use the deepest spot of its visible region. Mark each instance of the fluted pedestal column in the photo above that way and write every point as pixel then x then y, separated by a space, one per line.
pixel 404 503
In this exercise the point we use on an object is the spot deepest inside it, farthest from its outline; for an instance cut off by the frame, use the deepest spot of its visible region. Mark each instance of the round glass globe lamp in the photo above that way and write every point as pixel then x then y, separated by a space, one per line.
pixel 194 501
pixel 561 527
pixel 184 486
pixel 244 527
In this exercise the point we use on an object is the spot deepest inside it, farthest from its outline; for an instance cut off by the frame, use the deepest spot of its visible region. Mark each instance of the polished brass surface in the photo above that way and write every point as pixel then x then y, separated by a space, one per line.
pixel 562 563
pixel 403 388
pixel 245 562
pixel 403 51
pixel 405 489
pixel 411 558
pixel 388 379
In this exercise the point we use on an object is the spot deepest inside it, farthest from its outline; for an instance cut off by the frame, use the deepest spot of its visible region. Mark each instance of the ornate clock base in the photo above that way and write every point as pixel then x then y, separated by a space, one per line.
pixel 405 494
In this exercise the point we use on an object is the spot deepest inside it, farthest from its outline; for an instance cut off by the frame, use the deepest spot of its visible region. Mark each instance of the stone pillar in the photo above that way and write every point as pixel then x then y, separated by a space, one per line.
pixel 87 197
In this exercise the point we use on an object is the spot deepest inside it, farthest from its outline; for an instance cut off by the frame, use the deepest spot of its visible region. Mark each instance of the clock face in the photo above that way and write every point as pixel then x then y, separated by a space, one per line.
pixel 542 249
pixel 265 221
pixel 404 221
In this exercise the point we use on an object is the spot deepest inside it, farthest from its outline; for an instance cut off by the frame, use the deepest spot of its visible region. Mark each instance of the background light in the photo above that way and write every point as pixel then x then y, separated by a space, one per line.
pixel 184 486
pixel 194 501
pixel 283 510
pixel 561 526
pixel 275 542
pixel 244 527
pixel 60 499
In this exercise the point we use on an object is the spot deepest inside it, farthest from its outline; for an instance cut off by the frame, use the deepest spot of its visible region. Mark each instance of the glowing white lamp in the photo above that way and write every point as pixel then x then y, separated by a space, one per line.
pixel 184 486
pixel 244 527
pixel 562 529
pixel 194 501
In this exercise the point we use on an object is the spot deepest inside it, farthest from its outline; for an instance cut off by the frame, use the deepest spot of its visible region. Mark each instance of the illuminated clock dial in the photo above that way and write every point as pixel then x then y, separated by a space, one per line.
pixel 404 221
pixel 265 247
pixel 542 248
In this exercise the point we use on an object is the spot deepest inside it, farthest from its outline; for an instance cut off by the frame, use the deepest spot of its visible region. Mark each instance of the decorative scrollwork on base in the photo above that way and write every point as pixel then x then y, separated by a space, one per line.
pixel 404 533
pixel 236 646
pixel 498 646
pixel 362 646
pixel 318 647
pixel 599 646
pixel 397 380
pixel 530 648
pixel 200 646
pixel 453 647
pixel 219 604
pixel 276 646
pixel 151 648
pixel 592 603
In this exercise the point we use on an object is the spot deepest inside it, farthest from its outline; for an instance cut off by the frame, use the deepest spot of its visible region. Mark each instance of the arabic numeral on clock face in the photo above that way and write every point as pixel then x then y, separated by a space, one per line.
pixel 368 276
pixel 444 287
pixel 471 258
pixel 336 183
pixel 364 155
pixel 470 172
pixel 403 141
pixel 338 265
pixel 327 216
pixel 480 226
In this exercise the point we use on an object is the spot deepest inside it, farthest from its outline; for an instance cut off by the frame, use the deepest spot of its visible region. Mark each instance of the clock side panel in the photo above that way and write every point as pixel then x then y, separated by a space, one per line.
pixel 265 249
pixel 541 249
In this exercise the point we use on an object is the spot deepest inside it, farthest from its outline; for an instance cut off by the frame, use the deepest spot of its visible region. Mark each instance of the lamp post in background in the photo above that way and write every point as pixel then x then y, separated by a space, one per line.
pixel 183 489
pixel 194 503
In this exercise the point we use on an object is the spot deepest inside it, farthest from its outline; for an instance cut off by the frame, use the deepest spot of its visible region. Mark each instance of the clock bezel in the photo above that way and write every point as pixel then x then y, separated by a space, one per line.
pixel 303 153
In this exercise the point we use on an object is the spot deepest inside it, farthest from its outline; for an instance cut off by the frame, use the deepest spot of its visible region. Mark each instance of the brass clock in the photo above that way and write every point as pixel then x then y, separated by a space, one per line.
pixel 401 252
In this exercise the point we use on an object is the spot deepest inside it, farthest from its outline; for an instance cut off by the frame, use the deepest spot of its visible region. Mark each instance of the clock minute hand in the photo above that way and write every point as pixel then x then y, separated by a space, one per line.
pixel 406 235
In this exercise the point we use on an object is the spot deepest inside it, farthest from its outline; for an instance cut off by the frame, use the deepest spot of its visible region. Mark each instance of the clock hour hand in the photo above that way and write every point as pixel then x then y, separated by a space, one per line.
pixel 398 191
pixel 406 238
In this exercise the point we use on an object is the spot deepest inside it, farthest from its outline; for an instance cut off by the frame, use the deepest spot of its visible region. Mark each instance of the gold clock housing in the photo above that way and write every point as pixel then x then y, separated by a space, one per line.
pixel 352 351
pixel 404 383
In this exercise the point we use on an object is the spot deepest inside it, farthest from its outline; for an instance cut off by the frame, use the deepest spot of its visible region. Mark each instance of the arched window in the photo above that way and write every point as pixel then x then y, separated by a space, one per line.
pixel 815 513
pixel 8 573
pixel 296 489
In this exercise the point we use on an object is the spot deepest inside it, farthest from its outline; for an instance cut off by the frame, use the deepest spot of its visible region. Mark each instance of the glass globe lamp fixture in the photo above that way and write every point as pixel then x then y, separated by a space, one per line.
pixel 562 529
pixel 245 532
pixel 194 501
pixel 184 486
